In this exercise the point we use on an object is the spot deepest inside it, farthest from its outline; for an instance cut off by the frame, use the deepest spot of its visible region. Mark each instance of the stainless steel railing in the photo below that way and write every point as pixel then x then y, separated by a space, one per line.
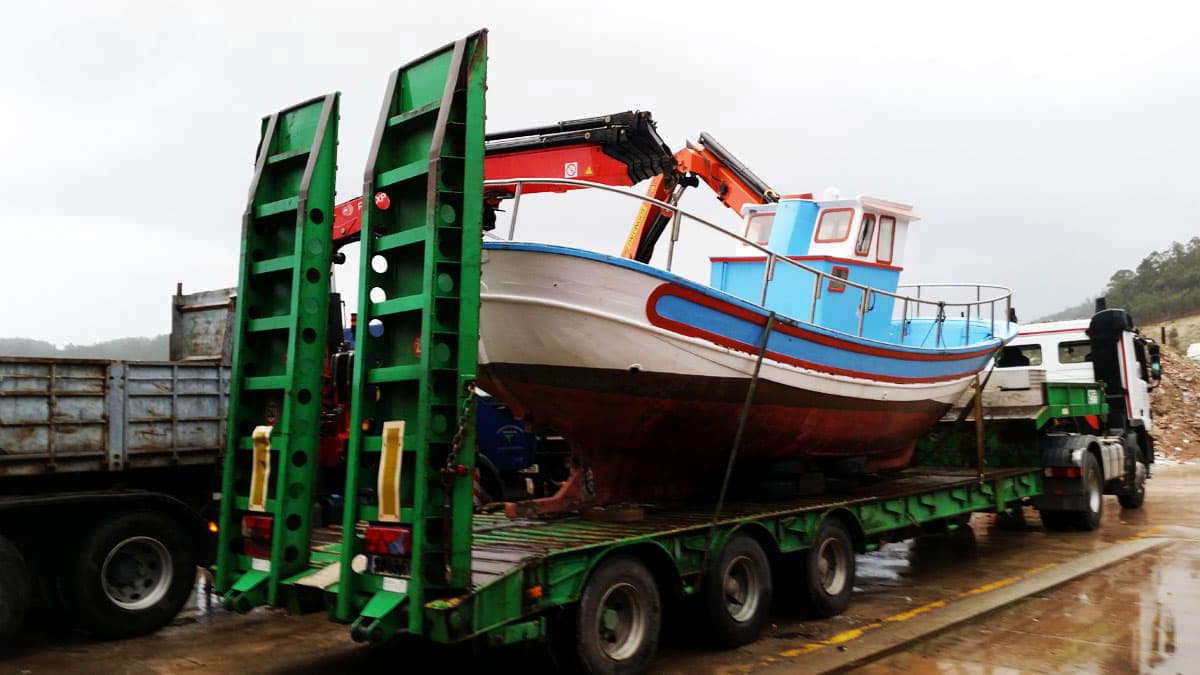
pixel 938 307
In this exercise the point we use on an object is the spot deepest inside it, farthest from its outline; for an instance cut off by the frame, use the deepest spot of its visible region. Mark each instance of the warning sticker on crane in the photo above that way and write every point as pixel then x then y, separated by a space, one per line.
pixel 571 169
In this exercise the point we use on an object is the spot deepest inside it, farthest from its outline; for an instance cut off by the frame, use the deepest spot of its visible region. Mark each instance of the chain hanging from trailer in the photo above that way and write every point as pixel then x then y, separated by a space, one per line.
pixel 279 343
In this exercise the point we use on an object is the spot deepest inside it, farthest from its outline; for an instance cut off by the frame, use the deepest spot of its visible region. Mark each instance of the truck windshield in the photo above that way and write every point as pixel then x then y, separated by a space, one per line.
pixel 1017 356
pixel 1076 351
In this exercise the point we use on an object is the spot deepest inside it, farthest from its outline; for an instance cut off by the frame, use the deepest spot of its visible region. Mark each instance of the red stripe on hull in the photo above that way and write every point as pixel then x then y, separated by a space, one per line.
pixel 675 446
pixel 737 312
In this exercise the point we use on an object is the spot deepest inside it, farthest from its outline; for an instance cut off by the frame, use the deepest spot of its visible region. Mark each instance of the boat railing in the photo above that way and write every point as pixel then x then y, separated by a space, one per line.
pixel 922 305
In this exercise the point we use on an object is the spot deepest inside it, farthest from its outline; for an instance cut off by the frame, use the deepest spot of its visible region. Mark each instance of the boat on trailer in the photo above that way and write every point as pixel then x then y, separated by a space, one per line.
pixel 645 373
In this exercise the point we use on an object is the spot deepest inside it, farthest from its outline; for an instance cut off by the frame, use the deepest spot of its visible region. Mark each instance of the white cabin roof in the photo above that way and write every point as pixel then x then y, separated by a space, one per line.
pixel 1035 329
pixel 888 208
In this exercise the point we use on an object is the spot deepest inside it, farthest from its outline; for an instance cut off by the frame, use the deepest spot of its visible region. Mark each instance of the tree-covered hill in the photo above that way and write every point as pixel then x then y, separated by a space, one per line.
pixel 1165 284
pixel 129 349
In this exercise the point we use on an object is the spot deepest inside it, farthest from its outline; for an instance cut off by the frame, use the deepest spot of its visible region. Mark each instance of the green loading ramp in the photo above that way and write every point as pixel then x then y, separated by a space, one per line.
pixel 278 357
pixel 417 341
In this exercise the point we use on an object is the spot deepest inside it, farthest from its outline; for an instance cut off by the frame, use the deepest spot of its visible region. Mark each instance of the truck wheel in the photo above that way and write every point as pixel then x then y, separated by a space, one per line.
pixel 1093 490
pixel 14 590
pixel 618 620
pixel 828 570
pixel 132 574
pixel 737 593
pixel 1135 499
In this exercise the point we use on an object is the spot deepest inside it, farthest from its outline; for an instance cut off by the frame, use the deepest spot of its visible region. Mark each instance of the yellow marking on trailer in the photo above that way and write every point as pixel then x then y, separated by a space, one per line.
pixel 389 471
pixel 260 468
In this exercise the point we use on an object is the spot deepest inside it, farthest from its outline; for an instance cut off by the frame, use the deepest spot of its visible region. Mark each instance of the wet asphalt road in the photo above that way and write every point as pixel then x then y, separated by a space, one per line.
pixel 1141 614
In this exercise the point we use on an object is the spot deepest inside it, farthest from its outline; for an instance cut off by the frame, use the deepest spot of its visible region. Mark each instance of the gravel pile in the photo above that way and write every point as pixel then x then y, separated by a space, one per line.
pixel 1176 404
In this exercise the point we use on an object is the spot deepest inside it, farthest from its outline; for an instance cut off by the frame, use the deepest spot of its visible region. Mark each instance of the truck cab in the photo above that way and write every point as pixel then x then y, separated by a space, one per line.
pixel 1064 351
pixel 1109 452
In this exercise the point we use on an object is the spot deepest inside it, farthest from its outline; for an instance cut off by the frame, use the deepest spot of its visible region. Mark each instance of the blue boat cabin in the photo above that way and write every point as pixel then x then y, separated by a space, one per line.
pixel 860 240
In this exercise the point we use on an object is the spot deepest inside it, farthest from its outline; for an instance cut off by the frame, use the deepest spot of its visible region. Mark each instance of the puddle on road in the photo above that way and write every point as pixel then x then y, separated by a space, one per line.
pixel 899 563
pixel 1168 614
pixel 1140 615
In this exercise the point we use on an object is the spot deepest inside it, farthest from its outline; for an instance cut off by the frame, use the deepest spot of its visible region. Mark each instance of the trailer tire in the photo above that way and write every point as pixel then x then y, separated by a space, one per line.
pixel 827 576
pixel 131 575
pixel 617 622
pixel 736 593
pixel 14 590
pixel 1093 487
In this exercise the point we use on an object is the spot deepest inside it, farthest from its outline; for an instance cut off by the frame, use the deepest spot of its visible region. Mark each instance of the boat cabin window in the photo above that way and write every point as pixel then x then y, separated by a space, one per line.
pixel 887 239
pixel 865 232
pixel 1017 356
pixel 758 227
pixel 834 225
pixel 1076 351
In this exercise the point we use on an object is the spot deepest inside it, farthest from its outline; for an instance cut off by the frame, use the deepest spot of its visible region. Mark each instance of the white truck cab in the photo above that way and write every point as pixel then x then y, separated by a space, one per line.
pixel 1109 454
pixel 1064 351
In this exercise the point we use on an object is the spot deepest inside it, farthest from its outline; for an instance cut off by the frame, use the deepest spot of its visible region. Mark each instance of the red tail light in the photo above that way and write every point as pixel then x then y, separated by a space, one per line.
pixel 388 540
pixel 1063 472
pixel 256 535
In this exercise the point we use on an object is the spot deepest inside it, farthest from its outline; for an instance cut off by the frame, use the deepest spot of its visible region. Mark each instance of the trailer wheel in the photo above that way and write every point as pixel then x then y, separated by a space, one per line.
pixel 132 574
pixel 737 593
pixel 1093 488
pixel 828 570
pixel 14 590
pixel 618 620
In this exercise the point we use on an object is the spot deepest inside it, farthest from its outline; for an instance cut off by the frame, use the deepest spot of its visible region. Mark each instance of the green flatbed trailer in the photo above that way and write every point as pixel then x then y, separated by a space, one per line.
pixel 524 569
pixel 412 556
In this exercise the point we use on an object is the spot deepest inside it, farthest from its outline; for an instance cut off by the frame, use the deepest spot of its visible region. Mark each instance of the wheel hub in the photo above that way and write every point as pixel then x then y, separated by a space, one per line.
pixel 622 622
pixel 831 567
pixel 742 589
pixel 136 573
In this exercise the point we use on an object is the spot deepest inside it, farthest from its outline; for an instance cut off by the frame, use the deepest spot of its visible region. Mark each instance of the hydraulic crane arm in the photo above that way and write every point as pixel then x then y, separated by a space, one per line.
pixel 734 184
pixel 619 149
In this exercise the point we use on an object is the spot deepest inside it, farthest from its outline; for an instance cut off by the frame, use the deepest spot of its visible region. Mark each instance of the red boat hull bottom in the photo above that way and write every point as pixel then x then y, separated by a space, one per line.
pixel 654 436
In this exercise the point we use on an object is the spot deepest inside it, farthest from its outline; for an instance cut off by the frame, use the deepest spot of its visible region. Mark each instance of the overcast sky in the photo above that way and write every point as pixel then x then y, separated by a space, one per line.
pixel 1045 145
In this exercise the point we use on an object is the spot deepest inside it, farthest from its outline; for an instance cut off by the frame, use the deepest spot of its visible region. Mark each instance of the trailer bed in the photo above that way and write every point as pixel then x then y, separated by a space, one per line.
pixel 500 544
